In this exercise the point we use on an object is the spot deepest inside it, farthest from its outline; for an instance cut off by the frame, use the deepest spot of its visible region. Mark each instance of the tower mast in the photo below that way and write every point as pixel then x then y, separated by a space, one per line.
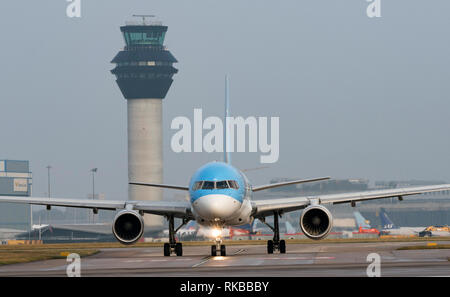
pixel 144 70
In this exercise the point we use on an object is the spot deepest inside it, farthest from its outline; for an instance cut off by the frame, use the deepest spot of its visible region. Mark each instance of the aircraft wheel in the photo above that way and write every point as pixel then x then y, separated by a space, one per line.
pixel 223 251
pixel 166 250
pixel 213 250
pixel 270 247
pixel 179 249
pixel 282 246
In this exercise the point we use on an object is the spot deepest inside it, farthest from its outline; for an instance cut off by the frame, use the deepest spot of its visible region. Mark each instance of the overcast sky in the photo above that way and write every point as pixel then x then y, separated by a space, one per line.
pixel 356 97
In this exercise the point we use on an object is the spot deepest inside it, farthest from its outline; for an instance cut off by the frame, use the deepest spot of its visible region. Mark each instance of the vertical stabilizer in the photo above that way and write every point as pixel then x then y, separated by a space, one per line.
pixel 386 221
pixel 226 143
pixel 361 221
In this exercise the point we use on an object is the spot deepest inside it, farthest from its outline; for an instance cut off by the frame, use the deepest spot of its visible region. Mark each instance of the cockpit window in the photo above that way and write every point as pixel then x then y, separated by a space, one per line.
pixel 197 185
pixel 208 185
pixel 222 184
pixel 233 184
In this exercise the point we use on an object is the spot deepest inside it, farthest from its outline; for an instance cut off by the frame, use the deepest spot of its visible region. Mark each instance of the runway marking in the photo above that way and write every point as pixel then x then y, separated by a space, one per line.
pixel 146 260
pixel 202 262
pixel 300 258
pixel 239 252
pixel 216 258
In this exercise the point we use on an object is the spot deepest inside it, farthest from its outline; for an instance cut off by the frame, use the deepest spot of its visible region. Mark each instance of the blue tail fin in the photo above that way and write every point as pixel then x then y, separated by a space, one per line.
pixel 386 221
pixel 191 224
pixel 360 220
pixel 226 143
pixel 249 227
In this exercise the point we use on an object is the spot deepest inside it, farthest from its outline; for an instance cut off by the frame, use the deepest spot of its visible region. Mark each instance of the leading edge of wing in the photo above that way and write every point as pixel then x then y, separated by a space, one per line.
pixel 64 202
pixel 281 184
pixel 179 209
pixel 263 208
pixel 379 194
pixel 173 187
pixel 268 207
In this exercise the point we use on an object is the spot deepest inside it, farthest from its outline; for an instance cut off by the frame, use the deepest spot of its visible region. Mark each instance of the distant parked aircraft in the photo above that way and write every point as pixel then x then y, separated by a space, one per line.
pixel 389 228
pixel 363 224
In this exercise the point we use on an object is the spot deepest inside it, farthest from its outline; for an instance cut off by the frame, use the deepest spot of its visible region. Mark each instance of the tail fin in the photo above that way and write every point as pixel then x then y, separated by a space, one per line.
pixel 191 224
pixel 386 221
pixel 247 227
pixel 360 220
pixel 226 143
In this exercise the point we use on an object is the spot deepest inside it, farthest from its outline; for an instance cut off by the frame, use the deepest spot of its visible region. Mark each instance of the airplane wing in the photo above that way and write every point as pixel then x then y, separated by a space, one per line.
pixel 179 209
pixel 262 208
pixel 173 187
pixel 275 185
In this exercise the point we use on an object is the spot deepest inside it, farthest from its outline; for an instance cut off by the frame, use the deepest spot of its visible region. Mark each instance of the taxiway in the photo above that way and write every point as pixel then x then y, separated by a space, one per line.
pixel 315 259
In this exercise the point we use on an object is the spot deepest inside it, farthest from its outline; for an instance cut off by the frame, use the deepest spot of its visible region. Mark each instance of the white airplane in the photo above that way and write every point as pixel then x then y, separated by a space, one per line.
pixel 221 195
pixel 389 228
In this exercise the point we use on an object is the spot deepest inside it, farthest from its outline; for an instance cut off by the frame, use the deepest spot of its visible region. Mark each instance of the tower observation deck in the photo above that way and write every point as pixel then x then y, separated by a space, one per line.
pixel 144 68
pixel 144 71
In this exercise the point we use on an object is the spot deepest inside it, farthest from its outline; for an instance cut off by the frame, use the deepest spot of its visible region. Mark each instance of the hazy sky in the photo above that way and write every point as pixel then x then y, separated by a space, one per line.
pixel 357 97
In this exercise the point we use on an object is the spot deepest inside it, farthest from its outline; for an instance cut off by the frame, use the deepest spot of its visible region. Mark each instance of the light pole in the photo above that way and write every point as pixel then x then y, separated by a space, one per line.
pixel 49 195
pixel 48 179
pixel 93 170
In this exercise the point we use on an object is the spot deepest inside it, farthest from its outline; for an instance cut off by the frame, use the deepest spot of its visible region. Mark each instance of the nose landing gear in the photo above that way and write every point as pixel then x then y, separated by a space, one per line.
pixel 218 247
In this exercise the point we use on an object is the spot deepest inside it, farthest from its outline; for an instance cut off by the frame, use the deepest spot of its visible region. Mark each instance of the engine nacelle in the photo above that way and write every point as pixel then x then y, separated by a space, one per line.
pixel 128 226
pixel 316 222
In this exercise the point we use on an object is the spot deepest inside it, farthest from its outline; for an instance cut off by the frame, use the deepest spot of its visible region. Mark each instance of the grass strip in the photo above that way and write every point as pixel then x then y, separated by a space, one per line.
pixel 104 245
pixel 14 256
pixel 424 247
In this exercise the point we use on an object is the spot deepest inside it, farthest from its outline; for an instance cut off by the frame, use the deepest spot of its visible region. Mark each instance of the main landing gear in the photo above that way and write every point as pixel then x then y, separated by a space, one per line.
pixel 172 246
pixel 275 244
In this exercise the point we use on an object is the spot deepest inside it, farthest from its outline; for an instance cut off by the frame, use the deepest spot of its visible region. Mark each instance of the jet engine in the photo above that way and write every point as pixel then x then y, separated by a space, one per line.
pixel 128 226
pixel 316 222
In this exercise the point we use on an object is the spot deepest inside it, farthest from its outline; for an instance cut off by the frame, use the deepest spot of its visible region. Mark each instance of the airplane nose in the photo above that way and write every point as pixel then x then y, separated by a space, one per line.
pixel 216 207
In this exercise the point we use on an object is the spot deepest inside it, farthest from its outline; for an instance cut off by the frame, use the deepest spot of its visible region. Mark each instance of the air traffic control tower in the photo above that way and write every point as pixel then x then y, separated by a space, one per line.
pixel 144 75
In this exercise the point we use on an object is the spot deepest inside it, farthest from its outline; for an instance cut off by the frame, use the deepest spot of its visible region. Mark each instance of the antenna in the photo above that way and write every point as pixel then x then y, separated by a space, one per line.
pixel 143 16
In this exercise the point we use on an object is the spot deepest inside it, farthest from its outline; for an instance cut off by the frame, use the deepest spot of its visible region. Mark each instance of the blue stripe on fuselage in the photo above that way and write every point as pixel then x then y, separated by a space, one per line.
pixel 218 171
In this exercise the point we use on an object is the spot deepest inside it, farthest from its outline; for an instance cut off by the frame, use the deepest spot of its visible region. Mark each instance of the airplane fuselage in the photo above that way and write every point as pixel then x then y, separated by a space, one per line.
pixel 220 195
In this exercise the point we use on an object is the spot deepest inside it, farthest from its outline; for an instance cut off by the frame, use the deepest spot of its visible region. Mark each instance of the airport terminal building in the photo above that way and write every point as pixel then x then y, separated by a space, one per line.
pixel 15 180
